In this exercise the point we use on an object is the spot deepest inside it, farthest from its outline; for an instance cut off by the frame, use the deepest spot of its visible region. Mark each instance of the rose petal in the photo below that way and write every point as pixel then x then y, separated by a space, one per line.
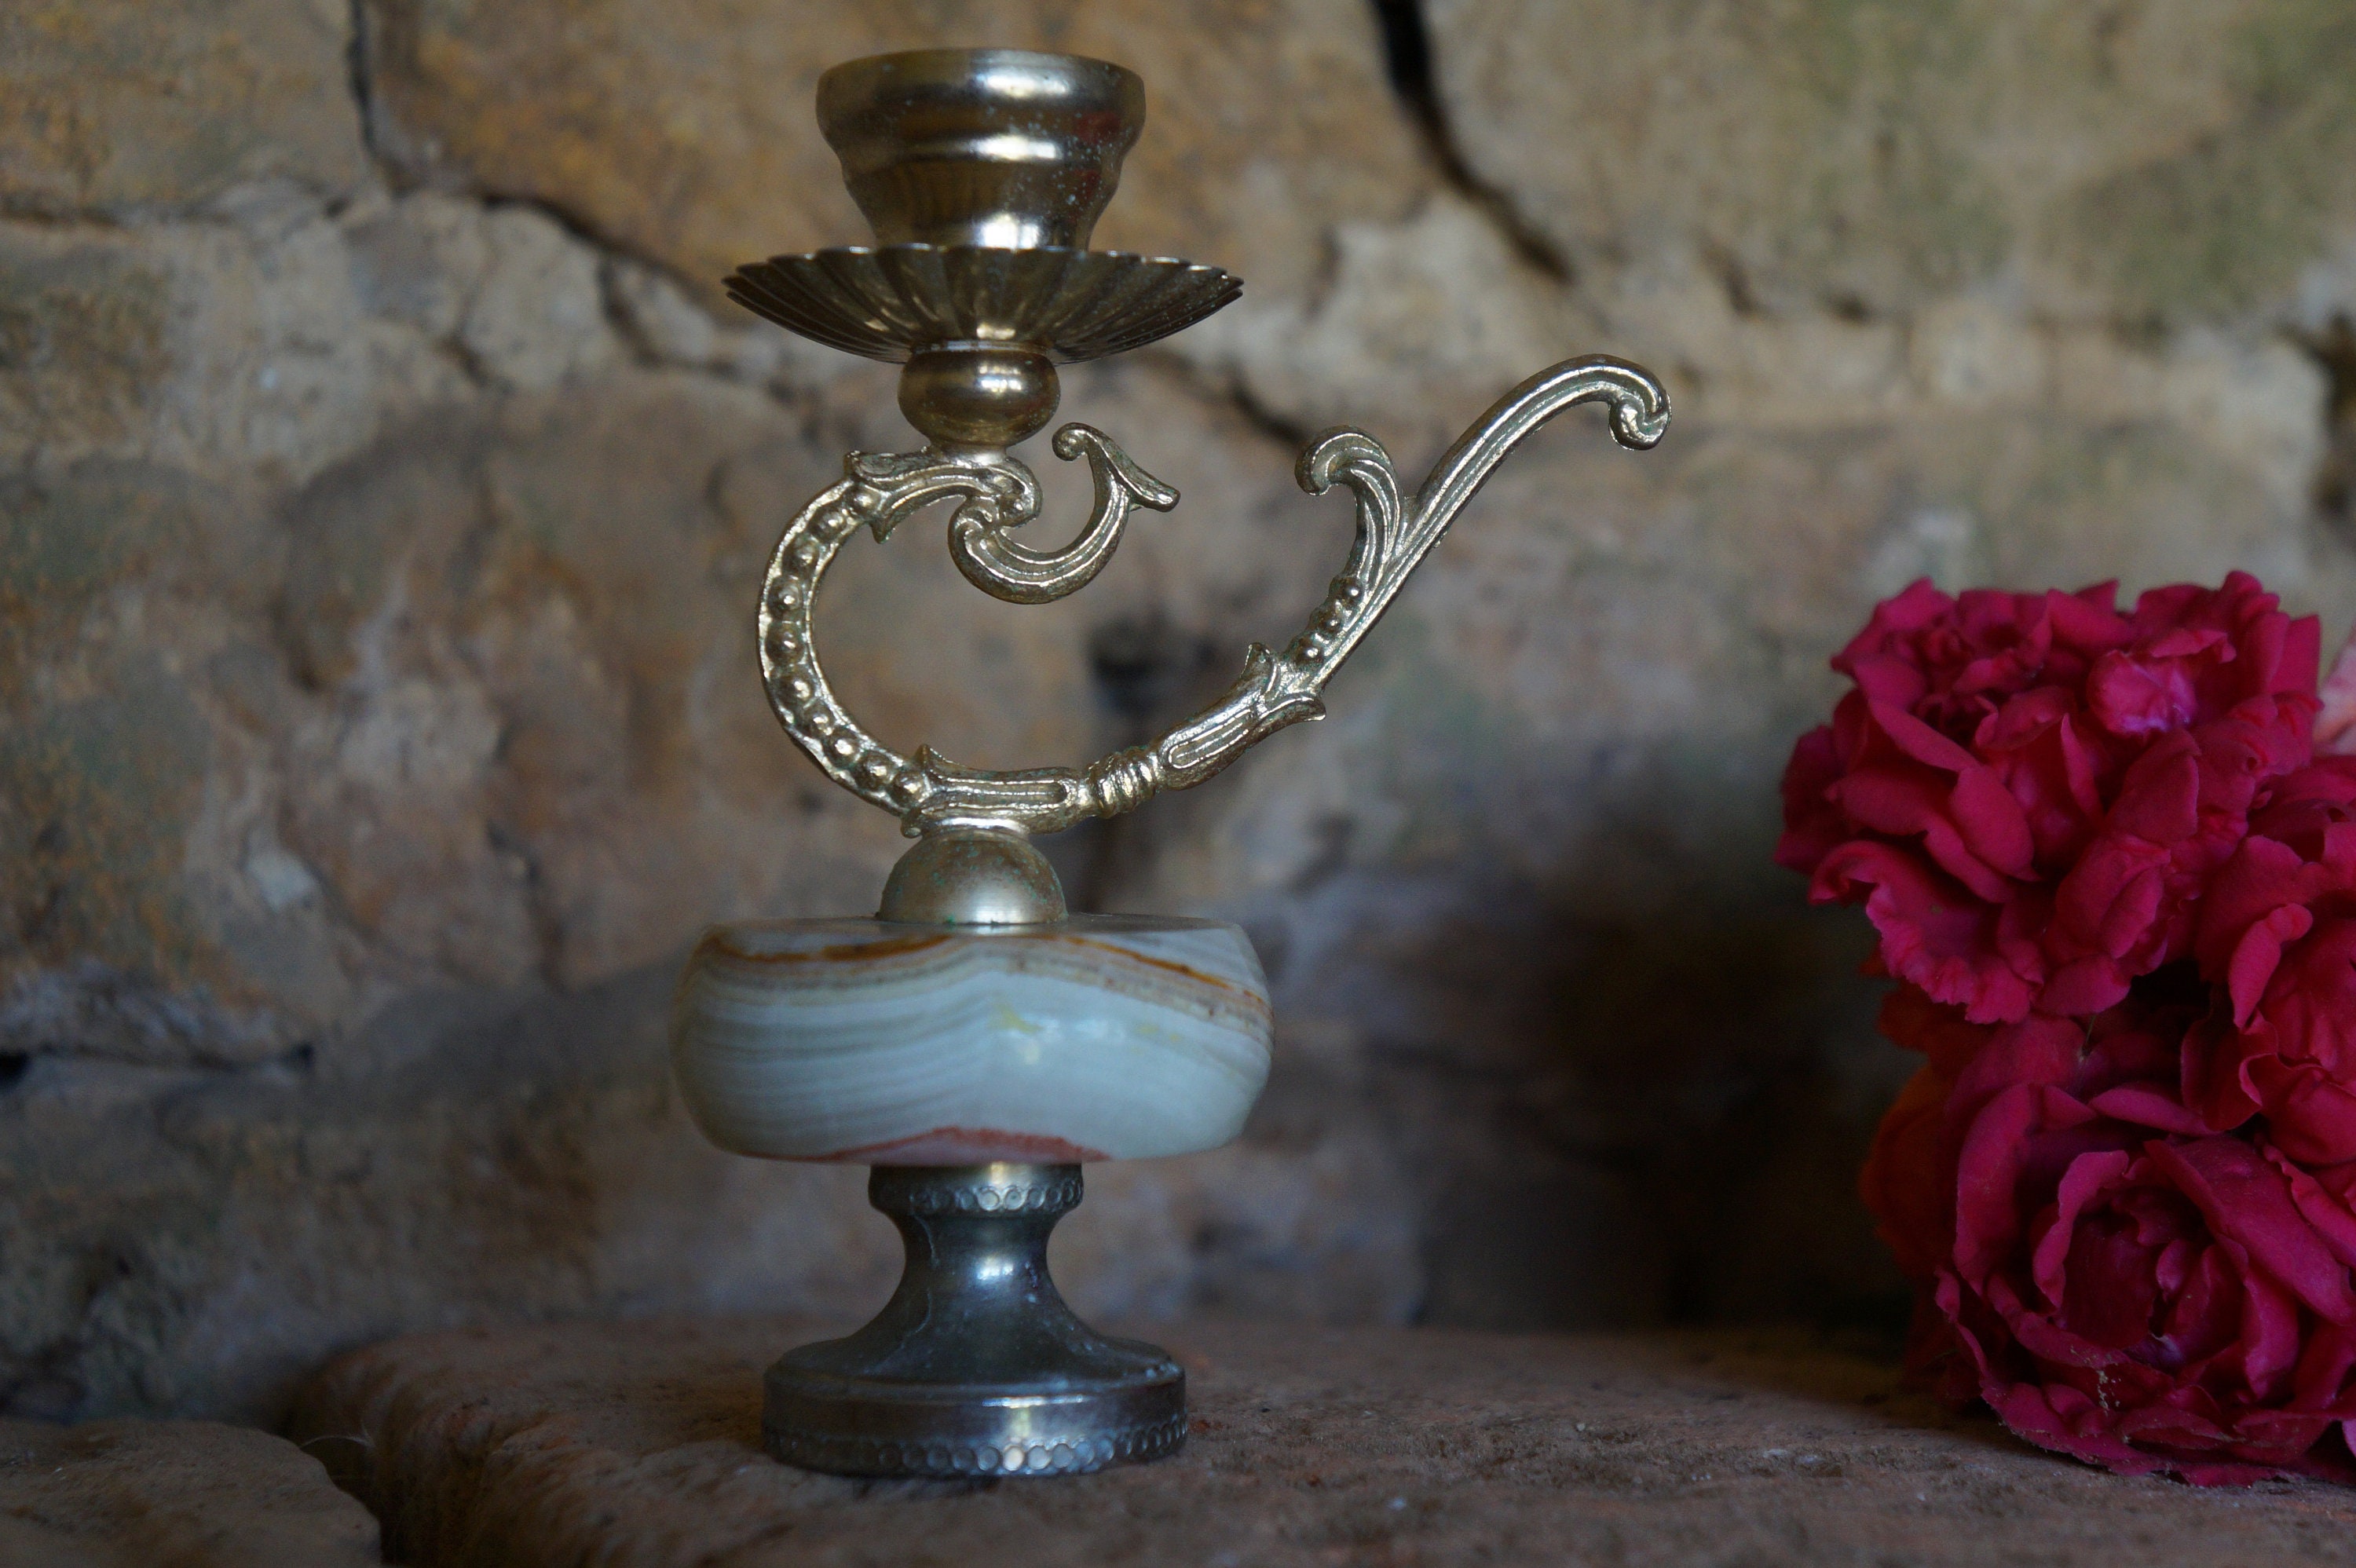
pixel 1934 932
pixel 2311 1115
pixel 2257 957
pixel 2246 1201
pixel 2147 1105
pixel 2132 696
pixel 2326 1211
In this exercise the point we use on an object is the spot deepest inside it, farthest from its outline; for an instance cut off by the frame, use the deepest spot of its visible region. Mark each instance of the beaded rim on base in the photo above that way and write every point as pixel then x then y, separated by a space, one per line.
pixel 1131 1427
pixel 1081 1456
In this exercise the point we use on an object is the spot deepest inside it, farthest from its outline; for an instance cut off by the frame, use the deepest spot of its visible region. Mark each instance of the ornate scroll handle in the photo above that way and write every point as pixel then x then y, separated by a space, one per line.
pixel 1394 535
pixel 1003 570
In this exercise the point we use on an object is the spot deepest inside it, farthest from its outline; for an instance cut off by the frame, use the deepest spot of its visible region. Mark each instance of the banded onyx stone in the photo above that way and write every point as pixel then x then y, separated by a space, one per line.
pixel 1099 1036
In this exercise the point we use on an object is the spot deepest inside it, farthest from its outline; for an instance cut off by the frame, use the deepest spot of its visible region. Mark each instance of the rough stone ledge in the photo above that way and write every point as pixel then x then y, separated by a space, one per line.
pixel 635 1444
pixel 170 1494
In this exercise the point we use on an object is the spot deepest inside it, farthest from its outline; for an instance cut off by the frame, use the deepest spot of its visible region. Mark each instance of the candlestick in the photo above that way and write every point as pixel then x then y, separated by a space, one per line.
pixel 976 1042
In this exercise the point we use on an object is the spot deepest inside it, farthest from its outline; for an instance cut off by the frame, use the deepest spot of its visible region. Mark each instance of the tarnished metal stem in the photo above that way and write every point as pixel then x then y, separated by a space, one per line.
pixel 976 1367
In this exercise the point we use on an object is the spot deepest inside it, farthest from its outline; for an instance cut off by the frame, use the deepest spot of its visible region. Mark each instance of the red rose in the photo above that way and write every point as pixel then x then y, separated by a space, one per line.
pixel 2115 1283
pixel 2300 807
pixel 2164 1306
pixel 1954 662
pixel 2028 792
pixel 2279 934
pixel 2120 899
pixel 1908 1181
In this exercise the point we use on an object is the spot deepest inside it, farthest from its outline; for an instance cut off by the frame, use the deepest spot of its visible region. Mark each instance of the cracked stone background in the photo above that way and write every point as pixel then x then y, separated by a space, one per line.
pixel 383 483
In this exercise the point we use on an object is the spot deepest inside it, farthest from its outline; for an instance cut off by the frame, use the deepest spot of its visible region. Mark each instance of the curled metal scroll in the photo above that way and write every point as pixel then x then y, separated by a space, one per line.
pixel 1395 532
pixel 1004 570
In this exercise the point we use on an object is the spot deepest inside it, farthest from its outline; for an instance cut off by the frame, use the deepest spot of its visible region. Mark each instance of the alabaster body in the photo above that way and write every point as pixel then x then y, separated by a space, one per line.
pixel 1100 1037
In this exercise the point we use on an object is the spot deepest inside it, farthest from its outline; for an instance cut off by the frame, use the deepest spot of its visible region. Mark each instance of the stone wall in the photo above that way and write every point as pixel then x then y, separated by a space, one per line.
pixel 385 486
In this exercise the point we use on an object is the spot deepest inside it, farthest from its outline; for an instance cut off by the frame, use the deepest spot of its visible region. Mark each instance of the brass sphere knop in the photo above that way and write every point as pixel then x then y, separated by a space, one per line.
pixel 973 394
pixel 973 876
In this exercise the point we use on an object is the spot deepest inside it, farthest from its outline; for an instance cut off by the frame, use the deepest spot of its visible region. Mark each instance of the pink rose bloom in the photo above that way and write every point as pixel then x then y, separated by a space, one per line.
pixel 2115 1283
pixel 2028 791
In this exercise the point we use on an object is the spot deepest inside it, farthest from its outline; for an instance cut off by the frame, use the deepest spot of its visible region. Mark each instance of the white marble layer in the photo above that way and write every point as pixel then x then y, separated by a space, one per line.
pixel 1106 1036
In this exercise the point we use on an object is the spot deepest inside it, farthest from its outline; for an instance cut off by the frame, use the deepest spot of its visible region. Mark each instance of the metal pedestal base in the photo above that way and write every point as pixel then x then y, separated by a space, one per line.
pixel 976 1367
